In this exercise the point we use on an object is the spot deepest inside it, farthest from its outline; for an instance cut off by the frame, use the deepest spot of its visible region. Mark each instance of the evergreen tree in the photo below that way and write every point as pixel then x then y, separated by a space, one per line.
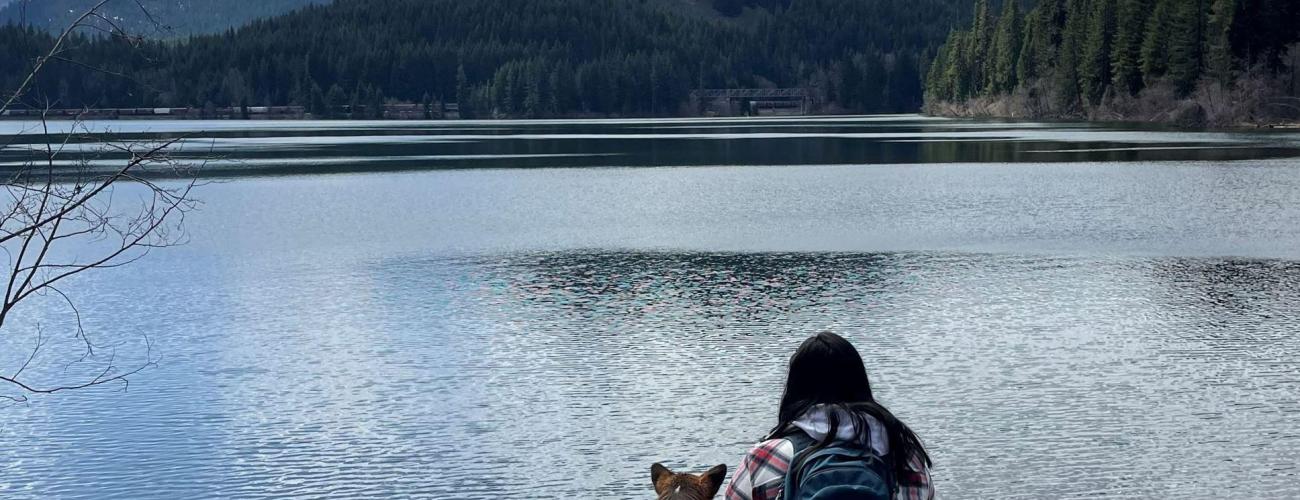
pixel 355 108
pixel 1042 41
pixel 1218 46
pixel 1094 63
pixel 1263 32
pixel 981 38
pixel 1027 63
pixel 1126 50
pixel 958 74
pixel 1066 76
pixel 532 105
pixel 937 86
pixel 1006 50
pixel 850 88
pixel 501 98
pixel 463 93
pixel 316 102
pixel 334 101
pixel 563 92
pixel 1185 44
pixel 1155 42
pixel 376 104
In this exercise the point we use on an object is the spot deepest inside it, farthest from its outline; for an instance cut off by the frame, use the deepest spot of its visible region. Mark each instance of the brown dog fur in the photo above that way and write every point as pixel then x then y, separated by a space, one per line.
pixel 673 486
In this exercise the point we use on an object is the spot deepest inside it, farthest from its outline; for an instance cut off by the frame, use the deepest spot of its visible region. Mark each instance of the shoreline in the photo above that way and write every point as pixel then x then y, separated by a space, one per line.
pixel 1193 112
pixel 392 112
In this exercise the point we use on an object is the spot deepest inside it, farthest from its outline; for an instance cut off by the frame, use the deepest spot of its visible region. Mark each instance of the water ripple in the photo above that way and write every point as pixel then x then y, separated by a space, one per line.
pixel 482 377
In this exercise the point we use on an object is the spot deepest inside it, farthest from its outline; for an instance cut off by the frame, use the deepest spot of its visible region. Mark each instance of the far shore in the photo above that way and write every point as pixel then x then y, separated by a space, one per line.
pixel 1004 108
pixel 397 112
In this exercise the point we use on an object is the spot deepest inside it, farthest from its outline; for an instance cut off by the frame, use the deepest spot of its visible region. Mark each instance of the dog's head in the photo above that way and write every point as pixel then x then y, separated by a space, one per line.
pixel 673 486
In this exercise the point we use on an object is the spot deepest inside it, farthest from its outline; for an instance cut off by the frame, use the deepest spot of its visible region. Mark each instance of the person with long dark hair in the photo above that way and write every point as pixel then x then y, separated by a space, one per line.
pixel 828 406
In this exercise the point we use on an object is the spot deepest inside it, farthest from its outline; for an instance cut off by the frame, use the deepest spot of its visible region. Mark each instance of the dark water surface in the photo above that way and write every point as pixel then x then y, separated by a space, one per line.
pixel 1060 311
pixel 295 147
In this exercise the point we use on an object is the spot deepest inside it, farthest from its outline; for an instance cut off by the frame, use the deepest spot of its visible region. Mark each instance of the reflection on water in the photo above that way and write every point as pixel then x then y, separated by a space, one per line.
pixel 1051 323
pixel 253 148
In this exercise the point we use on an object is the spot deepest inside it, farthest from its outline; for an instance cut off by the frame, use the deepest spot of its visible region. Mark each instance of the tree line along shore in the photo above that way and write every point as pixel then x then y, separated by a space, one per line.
pixel 1188 62
pixel 505 58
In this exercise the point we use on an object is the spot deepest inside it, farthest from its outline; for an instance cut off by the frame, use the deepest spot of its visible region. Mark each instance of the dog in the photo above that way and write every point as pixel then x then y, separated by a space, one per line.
pixel 674 486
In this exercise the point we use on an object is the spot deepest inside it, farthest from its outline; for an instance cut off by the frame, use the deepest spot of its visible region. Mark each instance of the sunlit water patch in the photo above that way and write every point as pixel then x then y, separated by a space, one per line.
pixel 1028 376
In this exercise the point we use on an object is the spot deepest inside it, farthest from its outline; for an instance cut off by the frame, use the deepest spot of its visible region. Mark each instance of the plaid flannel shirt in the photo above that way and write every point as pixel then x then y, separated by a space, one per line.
pixel 761 474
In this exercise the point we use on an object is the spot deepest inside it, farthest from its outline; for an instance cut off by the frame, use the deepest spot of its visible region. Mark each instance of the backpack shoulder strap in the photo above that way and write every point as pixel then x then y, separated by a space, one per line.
pixel 800 439
pixel 803 444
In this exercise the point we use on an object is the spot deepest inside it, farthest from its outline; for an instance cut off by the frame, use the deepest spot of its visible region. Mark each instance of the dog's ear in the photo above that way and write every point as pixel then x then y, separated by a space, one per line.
pixel 714 477
pixel 657 472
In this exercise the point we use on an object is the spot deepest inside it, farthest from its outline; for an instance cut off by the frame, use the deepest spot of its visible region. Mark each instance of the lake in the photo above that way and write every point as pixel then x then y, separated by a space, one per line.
pixel 542 309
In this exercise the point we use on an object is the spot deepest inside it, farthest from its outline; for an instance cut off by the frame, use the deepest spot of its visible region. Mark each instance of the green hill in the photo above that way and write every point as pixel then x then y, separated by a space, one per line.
pixel 518 57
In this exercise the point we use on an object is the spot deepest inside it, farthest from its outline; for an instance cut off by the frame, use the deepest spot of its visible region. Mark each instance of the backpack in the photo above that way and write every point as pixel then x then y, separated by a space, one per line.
pixel 840 471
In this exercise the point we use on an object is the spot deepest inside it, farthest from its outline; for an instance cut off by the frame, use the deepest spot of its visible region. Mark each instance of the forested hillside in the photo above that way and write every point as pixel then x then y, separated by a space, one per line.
pixel 156 18
pixel 1217 62
pixel 515 58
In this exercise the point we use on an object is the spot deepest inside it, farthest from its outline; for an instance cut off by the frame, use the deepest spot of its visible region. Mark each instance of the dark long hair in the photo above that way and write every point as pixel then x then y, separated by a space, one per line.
pixel 827 370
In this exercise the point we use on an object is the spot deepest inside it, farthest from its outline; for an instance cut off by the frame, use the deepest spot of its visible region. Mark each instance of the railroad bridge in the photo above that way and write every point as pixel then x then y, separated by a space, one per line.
pixel 731 102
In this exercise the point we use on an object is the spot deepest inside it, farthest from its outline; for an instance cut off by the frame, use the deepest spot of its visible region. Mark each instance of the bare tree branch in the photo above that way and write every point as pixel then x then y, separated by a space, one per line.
pixel 64 221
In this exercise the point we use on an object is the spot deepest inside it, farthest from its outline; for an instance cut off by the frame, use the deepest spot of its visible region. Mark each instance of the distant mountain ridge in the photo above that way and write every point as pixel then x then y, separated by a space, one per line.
pixel 170 18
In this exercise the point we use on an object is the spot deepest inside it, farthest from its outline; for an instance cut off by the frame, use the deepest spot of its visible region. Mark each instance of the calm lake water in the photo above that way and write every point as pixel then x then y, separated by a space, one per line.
pixel 543 309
